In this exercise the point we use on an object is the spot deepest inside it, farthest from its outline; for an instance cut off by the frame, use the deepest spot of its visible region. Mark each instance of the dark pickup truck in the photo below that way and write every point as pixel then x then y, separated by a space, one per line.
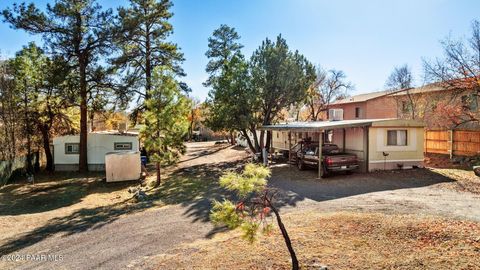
pixel 332 159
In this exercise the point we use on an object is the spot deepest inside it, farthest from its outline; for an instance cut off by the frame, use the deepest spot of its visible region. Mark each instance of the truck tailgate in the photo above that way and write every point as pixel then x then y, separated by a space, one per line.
pixel 340 160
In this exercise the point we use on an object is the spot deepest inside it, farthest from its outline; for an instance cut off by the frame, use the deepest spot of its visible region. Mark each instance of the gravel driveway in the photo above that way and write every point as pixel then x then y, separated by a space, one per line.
pixel 124 240
pixel 131 240
pixel 418 192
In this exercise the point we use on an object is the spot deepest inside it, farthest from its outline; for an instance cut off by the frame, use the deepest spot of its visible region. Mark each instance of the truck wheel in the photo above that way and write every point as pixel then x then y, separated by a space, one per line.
pixel 300 165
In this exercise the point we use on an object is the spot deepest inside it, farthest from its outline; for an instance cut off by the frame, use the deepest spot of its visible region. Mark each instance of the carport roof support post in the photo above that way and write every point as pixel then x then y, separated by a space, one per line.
pixel 289 147
pixel 320 171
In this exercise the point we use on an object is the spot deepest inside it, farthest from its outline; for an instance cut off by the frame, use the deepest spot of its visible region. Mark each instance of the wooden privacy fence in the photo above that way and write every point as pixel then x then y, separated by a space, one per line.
pixel 452 142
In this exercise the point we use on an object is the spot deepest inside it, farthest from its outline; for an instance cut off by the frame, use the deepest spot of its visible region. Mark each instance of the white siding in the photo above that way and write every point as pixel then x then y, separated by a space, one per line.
pixel 97 146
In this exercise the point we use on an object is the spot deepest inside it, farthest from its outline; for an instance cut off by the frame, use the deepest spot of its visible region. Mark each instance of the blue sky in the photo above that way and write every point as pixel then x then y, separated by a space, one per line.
pixel 365 39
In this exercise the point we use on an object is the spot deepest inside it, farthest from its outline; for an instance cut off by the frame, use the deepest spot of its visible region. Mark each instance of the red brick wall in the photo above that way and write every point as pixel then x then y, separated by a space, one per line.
pixel 382 107
pixel 349 110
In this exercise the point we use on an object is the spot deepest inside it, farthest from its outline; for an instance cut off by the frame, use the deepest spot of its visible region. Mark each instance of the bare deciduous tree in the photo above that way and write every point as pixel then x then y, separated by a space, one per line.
pixel 329 86
pixel 459 71
pixel 401 79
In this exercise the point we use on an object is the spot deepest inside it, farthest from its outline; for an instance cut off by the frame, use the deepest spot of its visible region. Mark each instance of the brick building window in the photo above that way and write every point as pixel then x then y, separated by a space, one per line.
pixel 470 103
pixel 357 112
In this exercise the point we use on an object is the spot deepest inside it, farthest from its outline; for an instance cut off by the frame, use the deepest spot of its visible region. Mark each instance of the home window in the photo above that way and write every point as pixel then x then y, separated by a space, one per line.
pixel 328 136
pixel 72 148
pixel 405 107
pixel 123 146
pixel 470 103
pixel 396 137
pixel 357 112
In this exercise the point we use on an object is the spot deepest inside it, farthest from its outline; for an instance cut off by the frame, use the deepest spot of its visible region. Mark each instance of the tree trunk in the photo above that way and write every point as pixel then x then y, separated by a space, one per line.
pixel 249 142
pixel 82 160
pixel 36 167
pixel 92 118
pixel 412 106
pixel 159 175
pixel 232 138
pixel 288 242
pixel 269 140
pixel 255 139
pixel 46 149
pixel 262 143
pixel 148 72
pixel 190 130
pixel 148 65
pixel 28 131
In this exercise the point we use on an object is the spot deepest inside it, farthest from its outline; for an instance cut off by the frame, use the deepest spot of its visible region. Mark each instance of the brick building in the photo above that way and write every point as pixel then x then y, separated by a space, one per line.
pixel 420 103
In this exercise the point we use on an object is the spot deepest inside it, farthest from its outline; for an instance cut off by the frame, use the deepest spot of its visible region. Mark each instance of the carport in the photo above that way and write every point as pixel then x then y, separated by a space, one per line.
pixel 354 136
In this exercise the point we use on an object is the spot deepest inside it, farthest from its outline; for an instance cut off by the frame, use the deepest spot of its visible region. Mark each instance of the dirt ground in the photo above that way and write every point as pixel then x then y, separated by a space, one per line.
pixel 93 224
pixel 96 225
pixel 340 240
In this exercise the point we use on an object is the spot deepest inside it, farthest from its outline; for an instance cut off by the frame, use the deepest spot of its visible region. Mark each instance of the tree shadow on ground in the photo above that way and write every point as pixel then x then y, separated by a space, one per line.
pixel 53 191
pixel 201 152
pixel 196 187
pixel 79 221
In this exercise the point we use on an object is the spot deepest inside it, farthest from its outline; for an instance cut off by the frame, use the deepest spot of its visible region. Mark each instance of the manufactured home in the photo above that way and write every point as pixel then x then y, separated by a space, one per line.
pixel 378 143
pixel 66 149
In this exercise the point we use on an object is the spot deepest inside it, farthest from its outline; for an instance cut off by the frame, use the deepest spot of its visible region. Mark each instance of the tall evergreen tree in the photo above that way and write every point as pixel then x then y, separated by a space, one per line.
pixel 142 39
pixel 28 68
pixel 77 30
pixel 281 78
pixel 230 100
pixel 40 82
pixel 223 45
pixel 9 103
pixel 167 110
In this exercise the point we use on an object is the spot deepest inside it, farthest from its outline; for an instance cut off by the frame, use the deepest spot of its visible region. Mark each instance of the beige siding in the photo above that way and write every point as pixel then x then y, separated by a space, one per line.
pixel 408 155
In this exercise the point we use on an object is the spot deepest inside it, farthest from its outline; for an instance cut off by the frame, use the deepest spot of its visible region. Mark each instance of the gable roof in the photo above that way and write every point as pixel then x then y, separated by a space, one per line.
pixel 432 87
pixel 362 97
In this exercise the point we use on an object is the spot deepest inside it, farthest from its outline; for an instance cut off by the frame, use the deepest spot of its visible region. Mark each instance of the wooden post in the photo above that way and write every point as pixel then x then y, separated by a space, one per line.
pixel 424 142
pixel 450 143
pixel 344 136
pixel 289 147
pixel 265 156
pixel 320 171
pixel 365 147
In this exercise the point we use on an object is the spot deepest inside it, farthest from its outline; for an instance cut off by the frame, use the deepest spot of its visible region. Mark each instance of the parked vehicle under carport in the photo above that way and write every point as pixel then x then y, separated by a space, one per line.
pixel 332 159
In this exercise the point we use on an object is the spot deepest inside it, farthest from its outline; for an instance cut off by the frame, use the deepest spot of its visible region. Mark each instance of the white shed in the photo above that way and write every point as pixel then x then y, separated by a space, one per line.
pixel 66 149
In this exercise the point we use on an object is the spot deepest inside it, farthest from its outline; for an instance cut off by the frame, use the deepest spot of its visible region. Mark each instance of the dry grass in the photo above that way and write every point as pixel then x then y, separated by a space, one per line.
pixel 465 180
pixel 342 241
pixel 25 207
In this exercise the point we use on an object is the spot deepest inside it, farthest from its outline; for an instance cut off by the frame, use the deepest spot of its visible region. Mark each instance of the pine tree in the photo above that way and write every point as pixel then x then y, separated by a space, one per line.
pixel 252 211
pixel 28 70
pixel 40 85
pixel 167 111
pixel 141 37
pixel 79 31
